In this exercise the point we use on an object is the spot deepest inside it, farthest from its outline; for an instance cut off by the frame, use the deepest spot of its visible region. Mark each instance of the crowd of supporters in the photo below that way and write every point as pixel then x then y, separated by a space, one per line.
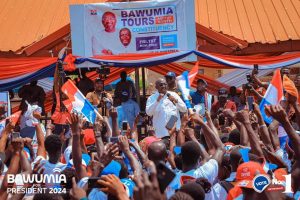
pixel 214 150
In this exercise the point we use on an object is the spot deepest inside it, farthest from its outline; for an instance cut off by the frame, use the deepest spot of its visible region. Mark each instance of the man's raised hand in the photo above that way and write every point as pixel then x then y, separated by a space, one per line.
pixel 76 123
pixel 277 112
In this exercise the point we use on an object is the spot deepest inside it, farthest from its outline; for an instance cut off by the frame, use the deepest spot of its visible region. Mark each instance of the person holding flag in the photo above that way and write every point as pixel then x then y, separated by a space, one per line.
pixel 77 102
pixel 184 82
pixel 273 95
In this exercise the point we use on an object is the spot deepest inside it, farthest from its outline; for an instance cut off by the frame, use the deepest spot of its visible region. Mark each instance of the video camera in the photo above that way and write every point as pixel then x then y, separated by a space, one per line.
pixel 103 71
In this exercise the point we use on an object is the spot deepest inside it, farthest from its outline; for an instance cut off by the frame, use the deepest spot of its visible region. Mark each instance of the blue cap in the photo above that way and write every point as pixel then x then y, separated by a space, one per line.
pixel 85 161
pixel 112 168
pixel 170 74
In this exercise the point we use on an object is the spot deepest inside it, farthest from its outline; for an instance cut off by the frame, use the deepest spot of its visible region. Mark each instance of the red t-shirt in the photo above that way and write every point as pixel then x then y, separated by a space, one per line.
pixel 228 105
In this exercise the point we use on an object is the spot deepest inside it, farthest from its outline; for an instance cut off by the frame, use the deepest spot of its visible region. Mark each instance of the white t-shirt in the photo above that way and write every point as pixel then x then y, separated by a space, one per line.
pixel 218 191
pixel 209 171
pixel 67 153
pixel 50 168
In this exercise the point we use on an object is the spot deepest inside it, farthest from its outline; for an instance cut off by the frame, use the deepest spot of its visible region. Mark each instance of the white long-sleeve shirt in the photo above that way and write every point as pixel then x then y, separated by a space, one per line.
pixel 163 110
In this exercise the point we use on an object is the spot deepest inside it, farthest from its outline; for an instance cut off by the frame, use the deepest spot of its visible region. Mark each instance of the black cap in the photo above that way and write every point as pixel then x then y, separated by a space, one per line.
pixel 200 80
pixel 222 92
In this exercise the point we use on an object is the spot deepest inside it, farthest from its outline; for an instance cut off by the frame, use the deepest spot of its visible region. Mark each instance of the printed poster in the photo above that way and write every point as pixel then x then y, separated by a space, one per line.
pixel 134 27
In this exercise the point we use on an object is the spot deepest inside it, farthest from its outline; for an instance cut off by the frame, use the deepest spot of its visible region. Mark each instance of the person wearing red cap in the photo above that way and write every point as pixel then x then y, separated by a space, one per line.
pixel 244 185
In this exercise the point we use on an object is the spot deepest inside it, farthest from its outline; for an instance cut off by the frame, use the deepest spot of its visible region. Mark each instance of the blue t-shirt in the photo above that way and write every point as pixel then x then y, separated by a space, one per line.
pixel 197 98
pixel 127 111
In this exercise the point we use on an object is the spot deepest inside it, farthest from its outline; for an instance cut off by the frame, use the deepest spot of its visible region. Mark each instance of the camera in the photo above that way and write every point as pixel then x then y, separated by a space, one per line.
pixel 248 86
pixel 249 78
pixel 104 70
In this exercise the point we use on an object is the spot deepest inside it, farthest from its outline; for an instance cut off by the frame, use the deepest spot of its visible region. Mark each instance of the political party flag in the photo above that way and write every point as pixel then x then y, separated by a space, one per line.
pixel 273 95
pixel 78 102
pixel 208 100
pixel 184 82
pixel 15 117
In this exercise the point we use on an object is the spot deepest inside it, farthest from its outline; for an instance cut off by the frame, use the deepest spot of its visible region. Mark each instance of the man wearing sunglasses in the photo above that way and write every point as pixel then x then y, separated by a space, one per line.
pixel 162 105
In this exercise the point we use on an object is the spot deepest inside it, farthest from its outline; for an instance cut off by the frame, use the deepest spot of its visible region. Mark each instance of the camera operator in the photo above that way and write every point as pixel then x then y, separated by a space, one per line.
pixel 254 78
pixel 100 98
pixel 255 87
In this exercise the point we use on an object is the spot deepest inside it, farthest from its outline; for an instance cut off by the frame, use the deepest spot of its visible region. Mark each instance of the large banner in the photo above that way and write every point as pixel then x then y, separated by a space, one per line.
pixel 5 109
pixel 135 27
pixel 5 104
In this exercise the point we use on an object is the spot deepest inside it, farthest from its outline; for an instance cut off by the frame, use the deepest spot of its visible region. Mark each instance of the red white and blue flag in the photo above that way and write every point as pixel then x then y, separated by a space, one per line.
pixel 78 102
pixel 184 82
pixel 13 118
pixel 273 95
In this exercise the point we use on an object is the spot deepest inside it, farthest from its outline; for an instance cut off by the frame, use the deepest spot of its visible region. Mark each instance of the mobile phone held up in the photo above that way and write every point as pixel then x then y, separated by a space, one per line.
pixel 164 176
pixel 114 140
pixel 92 183
pixel 173 119
pixel 250 101
pixel 124 125
pixel 15 135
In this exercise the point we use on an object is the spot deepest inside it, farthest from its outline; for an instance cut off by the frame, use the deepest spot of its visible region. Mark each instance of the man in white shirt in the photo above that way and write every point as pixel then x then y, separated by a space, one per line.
pixel 162 105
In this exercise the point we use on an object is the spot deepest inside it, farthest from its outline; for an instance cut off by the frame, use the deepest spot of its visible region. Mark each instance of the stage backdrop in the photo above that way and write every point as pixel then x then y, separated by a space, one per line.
pixel 135 27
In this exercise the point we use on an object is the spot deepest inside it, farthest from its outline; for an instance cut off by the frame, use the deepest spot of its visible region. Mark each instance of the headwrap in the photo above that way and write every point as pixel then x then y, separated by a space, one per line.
pixel 290 87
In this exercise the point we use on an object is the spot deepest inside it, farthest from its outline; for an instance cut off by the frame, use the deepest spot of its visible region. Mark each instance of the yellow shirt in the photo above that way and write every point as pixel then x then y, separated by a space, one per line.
pixel 95 99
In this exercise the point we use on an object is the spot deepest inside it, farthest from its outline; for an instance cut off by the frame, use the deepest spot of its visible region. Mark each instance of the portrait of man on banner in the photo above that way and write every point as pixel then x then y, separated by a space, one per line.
pixel 103 36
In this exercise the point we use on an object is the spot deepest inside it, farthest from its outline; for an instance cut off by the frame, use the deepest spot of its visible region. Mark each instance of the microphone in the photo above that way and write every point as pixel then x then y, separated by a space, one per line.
pixel 168 95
